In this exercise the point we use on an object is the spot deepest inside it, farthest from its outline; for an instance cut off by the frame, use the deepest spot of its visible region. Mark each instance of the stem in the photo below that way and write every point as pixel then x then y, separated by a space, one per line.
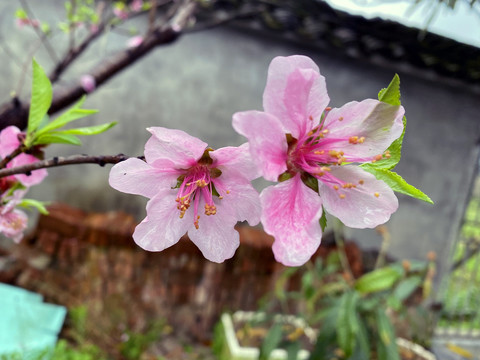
pixel 43 38
pixel 9 157
pixel 61 161
pixel 383 248
pixel 338 235
pixel 162 35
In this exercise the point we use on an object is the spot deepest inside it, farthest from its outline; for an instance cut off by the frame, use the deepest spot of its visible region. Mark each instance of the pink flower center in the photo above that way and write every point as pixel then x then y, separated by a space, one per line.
pixel 199 182
pixel 315 153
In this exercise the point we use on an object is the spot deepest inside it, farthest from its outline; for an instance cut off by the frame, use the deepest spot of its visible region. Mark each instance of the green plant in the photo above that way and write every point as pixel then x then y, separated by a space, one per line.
pixel 354 317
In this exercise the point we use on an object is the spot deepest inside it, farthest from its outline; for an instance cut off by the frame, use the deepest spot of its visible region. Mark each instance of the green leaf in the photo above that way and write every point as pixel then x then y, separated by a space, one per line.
pixel 386 346
pixel 271 341
pixel 41 97
pixel 391 94
pixel 397 183
pixel 347 322
pixel 362 346
pixel 68 116
pixel 406 287
pixel 377 280
pixel 89 130
pixel 21 14
pixel 325 345
pixel 292 348
pixel 395 150
pixel 57 138
pixel 282 282
pixel 31 203
pixel 323 220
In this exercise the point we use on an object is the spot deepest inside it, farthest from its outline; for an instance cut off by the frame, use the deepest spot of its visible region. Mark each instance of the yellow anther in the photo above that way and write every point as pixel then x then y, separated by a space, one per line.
pixel 220 197
pixel 333 153
pixel 228 191
pixel 325 131
pixel 340 118
pixel 319 152
pixel 320 173
pixel 342 196
pixel 335 187
pixel 361 140
pixel 376 194
pixel 361 182
pixel 353 140
pixel 377 158
pixel 325 168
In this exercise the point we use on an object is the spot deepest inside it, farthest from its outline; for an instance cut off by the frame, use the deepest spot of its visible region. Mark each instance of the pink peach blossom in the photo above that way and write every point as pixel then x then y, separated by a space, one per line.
pixel 12 221
pixel 298 137
pixel 135 41
pixel 136 5
pixel 9 141
pixel 88 83
pixel 121 13
pixel 183 178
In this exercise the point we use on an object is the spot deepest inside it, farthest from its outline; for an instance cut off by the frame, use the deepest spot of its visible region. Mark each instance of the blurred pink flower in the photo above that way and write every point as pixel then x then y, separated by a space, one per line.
pixel 182 177
pixel 136 5
pixel 10 141
pixel 27 22
pixel 88 83
pixel 120 12
pixel 310 145
pixel 94 28
pixel 134 41
pixel 12 221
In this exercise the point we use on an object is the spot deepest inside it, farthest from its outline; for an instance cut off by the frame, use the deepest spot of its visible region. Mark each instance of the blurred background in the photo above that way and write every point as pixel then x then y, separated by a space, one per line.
pixel 216 67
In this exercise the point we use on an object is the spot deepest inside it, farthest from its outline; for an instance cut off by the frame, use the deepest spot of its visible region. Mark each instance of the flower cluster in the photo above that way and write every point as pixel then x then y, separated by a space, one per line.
pixel 312 150
pixel 12 188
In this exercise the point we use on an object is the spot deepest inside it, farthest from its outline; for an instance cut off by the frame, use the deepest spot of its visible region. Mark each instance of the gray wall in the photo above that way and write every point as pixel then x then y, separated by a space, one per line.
pixel 197 84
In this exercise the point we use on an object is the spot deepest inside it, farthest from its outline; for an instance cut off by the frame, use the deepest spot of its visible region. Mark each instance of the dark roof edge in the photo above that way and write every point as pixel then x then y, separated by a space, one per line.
pixel 382 42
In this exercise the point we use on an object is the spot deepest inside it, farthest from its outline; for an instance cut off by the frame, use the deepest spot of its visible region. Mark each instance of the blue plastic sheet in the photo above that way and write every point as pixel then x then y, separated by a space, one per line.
pixel 28 326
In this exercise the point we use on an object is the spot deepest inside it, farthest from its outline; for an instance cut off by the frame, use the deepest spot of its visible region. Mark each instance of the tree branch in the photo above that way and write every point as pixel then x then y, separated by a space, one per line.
pixel 43 38
pixel 16 113
pixel 62 161
pixel 9 157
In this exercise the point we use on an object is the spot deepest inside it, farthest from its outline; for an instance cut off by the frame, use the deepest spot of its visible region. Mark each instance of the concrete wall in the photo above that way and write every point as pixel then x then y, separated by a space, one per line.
pixel 197 84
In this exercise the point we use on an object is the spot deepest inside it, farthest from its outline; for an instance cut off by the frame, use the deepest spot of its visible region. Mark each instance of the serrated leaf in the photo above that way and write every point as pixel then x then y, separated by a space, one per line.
pixel 56 138
pixel 377 280
pixel 271 341
pixel 391 94
pixel 41 98
pixel 323 220
pixel 89 130
pixel 68 116
pixel 396 182
pixel 39 205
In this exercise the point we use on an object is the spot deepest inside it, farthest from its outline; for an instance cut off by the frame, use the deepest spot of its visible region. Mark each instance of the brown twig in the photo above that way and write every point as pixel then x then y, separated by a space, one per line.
pixel 62 161
pixel 41 35
pixel 9 157
pixel 169 32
